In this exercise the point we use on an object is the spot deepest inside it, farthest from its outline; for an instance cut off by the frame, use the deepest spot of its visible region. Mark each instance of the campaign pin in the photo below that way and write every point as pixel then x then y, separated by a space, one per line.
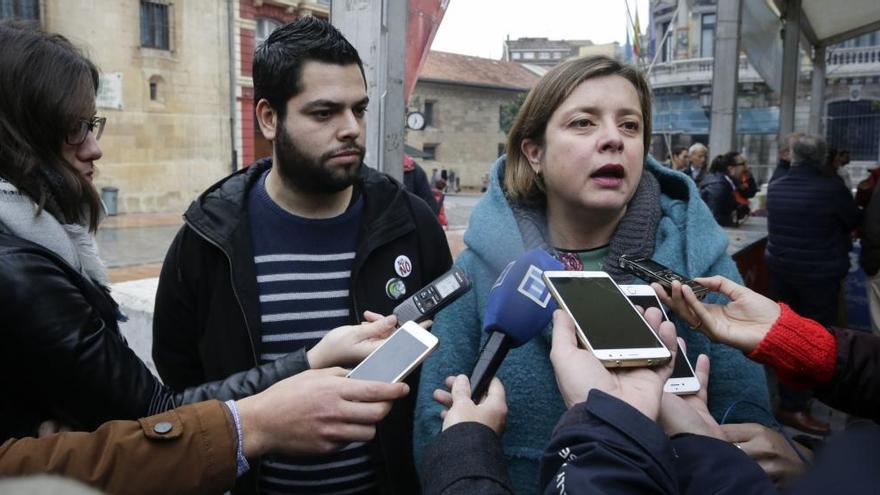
pixel 403 266
pixel 395 288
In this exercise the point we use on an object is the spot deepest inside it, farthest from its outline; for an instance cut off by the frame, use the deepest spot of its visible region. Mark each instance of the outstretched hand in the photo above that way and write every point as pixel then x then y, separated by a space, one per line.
pixel 578 370
pixel 742 323
pixel 349 345
pixel 689 413
pixel 459 408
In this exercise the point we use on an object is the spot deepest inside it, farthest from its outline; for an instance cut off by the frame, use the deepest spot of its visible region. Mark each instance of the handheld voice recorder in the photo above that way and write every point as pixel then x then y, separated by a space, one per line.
pixel 650 271
pixel 433 297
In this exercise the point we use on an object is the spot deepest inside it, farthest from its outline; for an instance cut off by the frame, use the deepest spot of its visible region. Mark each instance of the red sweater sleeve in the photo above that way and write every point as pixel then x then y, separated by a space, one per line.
pixel 801 351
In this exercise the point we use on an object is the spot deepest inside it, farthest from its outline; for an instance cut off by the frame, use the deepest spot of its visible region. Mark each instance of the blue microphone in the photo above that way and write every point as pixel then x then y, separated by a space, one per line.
pixel 518 308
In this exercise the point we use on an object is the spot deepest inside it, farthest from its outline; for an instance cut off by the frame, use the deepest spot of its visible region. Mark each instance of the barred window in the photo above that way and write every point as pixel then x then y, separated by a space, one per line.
pixel 20 9
pixel 155 25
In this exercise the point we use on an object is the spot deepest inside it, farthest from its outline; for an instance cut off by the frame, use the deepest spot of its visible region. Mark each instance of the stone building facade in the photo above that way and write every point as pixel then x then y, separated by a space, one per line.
pixel 177 97
pixel 683 74
pixel 164 91
pixel 462 99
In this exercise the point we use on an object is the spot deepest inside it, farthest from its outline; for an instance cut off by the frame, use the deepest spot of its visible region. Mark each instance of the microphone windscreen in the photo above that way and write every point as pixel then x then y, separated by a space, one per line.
pixel 520 304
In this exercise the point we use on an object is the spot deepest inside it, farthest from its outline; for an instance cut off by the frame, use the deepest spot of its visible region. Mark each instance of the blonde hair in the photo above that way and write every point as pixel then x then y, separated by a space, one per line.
pixel 520 181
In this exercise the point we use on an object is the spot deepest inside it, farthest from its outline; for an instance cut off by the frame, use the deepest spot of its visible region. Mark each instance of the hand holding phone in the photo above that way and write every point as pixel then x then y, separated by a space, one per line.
pixel 607 322
pixel 741 323
pixel 651 271
pixel 398 356
pixel 683 379
pixel 350 344
pixel 578 370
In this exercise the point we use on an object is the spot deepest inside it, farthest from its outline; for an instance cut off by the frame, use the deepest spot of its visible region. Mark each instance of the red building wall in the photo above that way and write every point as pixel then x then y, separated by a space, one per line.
pixel 253 144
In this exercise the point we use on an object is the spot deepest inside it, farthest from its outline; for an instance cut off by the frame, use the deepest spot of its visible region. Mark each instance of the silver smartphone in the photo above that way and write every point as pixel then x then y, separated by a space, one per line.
pixel 607 322
pixel 683 380
pixel 398 356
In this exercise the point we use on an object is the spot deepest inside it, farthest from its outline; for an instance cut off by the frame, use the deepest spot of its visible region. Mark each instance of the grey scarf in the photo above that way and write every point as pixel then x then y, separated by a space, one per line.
pixel 71 241
pixel 635 233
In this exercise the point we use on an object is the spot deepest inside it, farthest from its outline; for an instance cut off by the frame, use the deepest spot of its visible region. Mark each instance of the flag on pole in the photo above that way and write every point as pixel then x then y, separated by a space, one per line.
pixel 637 44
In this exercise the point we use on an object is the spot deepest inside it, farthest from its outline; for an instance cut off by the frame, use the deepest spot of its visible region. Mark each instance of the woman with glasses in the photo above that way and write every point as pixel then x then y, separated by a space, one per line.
pixel 63 357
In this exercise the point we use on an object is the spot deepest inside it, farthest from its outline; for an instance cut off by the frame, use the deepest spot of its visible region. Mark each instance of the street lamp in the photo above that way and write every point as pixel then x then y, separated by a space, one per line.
pixel 706 101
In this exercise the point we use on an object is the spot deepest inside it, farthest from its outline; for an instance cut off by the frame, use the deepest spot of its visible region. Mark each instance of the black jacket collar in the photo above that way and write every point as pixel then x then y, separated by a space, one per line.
pixel 219 212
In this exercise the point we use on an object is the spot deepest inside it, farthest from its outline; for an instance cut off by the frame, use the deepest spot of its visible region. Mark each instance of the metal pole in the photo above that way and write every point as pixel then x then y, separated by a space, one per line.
pixel 817 93
pixel 233 78
pixel 790 59
pixel 377 28
pixel 725 76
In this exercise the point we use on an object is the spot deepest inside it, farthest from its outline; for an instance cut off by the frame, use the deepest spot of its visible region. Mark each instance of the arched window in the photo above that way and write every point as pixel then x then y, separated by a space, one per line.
pixel 157 87
pixel 265 26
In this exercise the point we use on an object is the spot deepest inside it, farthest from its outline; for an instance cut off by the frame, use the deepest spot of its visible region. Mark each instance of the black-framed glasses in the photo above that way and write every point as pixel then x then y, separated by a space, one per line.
pixel 83 127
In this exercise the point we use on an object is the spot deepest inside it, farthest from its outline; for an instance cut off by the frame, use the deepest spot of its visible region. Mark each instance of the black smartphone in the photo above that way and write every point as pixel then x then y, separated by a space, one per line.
pixel 650 271
pixel 433 297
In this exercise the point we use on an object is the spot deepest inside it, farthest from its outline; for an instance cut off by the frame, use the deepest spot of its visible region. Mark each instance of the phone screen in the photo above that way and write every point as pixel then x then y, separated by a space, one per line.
pixel 604 314
pixel 394 357
pixel 681 370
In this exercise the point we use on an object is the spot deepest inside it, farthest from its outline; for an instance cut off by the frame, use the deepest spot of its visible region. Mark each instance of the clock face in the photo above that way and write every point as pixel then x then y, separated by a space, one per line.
pixel 415 121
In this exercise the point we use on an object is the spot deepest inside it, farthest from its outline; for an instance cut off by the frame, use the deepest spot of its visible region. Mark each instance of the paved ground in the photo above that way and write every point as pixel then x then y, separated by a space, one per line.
pixel 134 246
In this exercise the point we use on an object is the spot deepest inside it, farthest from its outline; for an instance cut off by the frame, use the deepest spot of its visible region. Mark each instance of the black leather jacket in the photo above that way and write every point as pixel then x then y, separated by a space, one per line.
pixel 64 358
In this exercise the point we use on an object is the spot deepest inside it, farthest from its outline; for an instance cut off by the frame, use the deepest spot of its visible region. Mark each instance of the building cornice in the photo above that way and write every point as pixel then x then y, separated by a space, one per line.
pixel 298 7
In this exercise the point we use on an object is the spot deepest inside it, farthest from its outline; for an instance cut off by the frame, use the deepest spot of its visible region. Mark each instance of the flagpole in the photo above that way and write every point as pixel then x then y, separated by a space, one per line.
pixel 636 41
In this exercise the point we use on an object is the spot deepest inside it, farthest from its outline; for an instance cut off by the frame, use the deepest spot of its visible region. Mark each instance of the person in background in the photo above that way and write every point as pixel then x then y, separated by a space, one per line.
pixel 718 189
pixel 865 188
pixel 784 162
pixel 810 219
pixel 746 189
pixel 678 159
pixel 837 159
pixel 577 181
pixel 439 191
pixel 415 180
pixel 698 154
pixel 869 258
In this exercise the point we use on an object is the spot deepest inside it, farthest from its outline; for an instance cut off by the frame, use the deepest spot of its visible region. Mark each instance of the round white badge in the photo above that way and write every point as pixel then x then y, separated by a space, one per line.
pixel 403 266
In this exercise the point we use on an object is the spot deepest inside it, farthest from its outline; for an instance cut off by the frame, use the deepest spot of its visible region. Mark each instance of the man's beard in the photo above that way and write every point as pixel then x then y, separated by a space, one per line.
pixel 310 175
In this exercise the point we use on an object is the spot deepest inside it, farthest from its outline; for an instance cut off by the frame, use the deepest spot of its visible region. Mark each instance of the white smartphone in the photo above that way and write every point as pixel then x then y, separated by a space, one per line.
pixel 607 322
pixel 398 356
pixel 683 380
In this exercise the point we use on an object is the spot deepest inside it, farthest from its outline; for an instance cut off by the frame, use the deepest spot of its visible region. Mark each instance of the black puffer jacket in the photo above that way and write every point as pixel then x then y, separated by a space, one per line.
pixel 810 219
pixel 717 192
pixel 870 257
pixel 63 356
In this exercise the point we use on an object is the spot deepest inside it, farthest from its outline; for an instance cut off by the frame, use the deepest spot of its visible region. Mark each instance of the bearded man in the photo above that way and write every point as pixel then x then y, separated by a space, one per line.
pixel 275 255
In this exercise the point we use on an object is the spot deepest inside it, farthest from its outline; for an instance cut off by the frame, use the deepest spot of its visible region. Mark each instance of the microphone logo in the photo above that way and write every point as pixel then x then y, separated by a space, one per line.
pixel 533 287
pixel 503 275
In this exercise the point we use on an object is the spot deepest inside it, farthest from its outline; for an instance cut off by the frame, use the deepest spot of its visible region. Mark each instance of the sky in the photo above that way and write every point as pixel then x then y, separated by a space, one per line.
pixel 479 27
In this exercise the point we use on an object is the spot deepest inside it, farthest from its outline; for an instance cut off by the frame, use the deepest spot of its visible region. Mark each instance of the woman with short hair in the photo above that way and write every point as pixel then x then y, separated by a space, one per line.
pixel 578 182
